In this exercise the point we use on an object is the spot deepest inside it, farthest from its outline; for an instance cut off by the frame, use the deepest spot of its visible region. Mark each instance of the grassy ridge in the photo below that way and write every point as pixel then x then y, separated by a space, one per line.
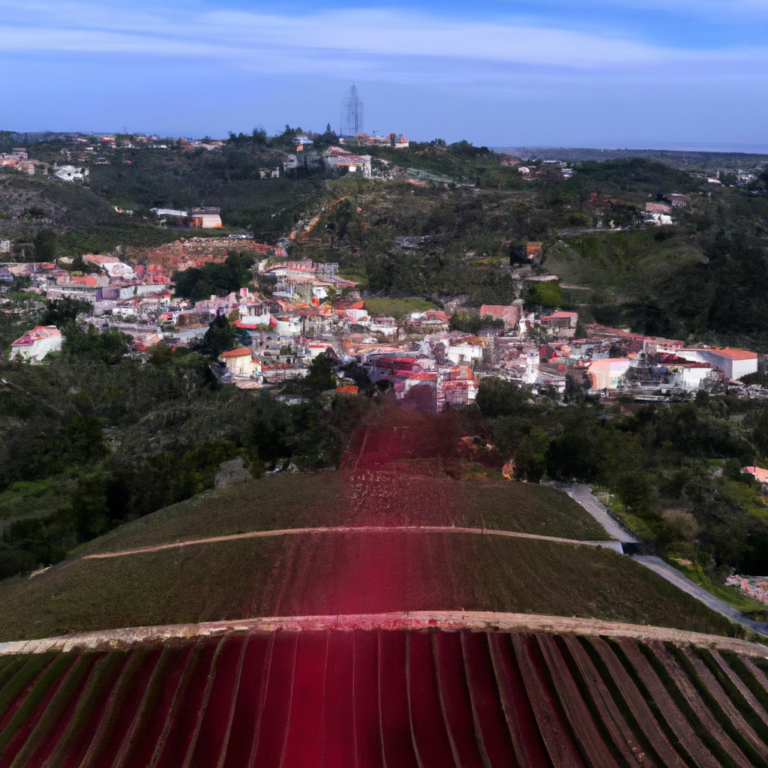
pixel 346 573
pixel 328 499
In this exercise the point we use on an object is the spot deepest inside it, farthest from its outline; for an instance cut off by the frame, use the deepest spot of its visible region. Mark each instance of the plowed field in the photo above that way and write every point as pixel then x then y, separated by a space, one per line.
pixel 366 699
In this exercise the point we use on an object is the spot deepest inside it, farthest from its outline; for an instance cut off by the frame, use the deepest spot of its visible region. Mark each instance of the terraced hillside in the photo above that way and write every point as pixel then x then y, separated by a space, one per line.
pixel 384 615
pixel 386 698
pixel 345 573
pixel 357 498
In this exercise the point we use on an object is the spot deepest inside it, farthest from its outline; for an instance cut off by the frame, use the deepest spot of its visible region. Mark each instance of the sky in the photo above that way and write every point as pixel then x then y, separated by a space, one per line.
pixel 594 73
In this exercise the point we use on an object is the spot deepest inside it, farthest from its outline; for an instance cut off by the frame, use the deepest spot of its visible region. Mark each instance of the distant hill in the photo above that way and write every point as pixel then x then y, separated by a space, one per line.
pixel 688 159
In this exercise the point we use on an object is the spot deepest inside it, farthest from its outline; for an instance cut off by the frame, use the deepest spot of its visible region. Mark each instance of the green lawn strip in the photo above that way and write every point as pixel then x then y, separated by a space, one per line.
pixel 27 669
pixel 701 731
pixel 761 664
pixel 208 582
pixel 106 669
pixel 720 715
pixel 50 677
pixel 733 596
pixel 181 689
pixel 274 503
pixel 121 681
pixel 668 730
pixel 397 308
pixel 558 649
pixel 753 719
pixel 55 709
pixel 170 656
pixel 742 670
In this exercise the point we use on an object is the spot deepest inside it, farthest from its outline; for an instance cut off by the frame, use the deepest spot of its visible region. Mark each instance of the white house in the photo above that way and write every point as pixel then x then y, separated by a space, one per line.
pixel 385 325
pixel 34 345
pixel 288 325
pixel 464 354
pixel 206 218
pixel 170 212
pixel 71 173
pixel 734 363
pixel 240 362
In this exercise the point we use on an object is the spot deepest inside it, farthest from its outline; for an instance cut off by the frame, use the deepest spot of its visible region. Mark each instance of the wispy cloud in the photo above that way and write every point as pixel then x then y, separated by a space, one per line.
pixel 332 42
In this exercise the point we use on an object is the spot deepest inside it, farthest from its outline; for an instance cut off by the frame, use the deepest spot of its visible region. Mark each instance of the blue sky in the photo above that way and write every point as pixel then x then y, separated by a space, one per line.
pixel 607 73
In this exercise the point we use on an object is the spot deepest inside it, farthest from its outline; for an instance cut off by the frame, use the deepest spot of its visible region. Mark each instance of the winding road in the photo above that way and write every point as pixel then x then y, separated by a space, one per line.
pixel 582 494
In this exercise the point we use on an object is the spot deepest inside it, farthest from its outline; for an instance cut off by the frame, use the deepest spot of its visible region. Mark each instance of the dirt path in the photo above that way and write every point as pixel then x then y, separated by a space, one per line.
pixel 616 546
pixel 445 620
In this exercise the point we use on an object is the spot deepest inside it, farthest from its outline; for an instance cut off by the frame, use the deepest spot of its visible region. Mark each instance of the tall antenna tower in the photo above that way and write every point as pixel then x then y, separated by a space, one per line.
pixel 351 113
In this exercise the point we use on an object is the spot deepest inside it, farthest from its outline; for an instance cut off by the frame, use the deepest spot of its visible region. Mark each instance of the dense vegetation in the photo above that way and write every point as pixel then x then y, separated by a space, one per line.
pixel 215 279
pixel 675 470
pixel 105 438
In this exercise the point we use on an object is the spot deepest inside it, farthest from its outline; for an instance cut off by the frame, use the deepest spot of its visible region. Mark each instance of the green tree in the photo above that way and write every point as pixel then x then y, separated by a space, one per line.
pixel 215 279
pixel 108 347
pixel 497 397
pixel 45 245
pixel 220 337
pixel 320 377
pixel 63 311
pixel 548 295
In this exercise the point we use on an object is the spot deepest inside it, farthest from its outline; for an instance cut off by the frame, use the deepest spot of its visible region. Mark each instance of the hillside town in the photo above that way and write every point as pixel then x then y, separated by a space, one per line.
pixel 419 356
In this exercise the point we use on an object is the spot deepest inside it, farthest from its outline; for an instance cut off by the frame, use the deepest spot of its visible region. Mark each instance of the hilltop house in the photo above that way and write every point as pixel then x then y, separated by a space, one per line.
pixel 71 173
pixel 336 157
pixel 206 218
pixel 34 345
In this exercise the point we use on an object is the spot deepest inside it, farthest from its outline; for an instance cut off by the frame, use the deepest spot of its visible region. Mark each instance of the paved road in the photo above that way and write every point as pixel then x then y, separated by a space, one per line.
pixel 615 545
pixel 680 580
pixel 582 494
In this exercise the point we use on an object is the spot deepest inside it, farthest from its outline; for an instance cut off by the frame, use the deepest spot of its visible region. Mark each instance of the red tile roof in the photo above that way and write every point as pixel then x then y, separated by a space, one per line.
pixel 239 352
pixel 735 354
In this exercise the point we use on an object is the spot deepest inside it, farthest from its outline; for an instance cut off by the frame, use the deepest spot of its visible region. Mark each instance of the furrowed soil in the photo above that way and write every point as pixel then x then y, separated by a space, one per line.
pixel 360 498
pixel 401 698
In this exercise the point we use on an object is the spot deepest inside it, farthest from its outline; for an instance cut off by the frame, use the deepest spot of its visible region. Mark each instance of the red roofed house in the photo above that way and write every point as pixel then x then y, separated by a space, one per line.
pixel 34 345
pixel 561 323
pixel 240 362
pixel 760 474
pixel 509 314
pixel 533 249
pixel 658 208
pixel 438 315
